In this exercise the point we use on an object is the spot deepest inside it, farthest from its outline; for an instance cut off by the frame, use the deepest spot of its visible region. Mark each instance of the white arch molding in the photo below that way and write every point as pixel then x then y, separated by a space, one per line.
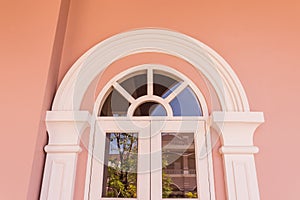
pixel 235 123
pixel 217 71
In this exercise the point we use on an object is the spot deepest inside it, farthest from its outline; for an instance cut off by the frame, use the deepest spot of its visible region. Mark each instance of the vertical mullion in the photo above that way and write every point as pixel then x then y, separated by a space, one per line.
pixel 202 174
pixel 150 81
pixel 156 158
pixel 143 171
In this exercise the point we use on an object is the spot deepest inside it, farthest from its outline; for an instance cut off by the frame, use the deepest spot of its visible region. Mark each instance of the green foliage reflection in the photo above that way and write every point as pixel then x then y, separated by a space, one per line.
pixel 120 178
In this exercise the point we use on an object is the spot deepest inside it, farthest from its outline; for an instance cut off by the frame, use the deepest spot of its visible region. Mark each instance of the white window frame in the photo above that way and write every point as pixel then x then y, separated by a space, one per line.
pixel 95 178
pixel 205 185
pixel 168 71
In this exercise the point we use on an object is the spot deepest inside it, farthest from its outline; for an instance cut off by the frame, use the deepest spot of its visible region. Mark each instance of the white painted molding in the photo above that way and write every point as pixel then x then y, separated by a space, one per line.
pixel 237 132
pixel 65 127
pixel 236 124
pixel 146 98
pixel 236 128
pixel 238 150
pixel 217 71
pixel 64 130
pixel 62 149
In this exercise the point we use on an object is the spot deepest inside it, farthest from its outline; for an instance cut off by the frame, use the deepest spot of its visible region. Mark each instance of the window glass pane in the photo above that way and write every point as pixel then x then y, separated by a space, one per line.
pixel 164 85
pixel 150 109
pixel 186 104
pixel 120 165
pixel 136 85
pixel 179 166
pixel 115 105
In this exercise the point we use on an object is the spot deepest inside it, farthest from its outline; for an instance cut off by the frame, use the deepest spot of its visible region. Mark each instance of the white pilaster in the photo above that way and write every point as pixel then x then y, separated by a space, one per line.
pixel 64 131
pixel 237 131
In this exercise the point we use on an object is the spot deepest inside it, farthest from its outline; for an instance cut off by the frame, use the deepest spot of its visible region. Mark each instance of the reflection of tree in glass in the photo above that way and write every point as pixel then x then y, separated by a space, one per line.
pixel 120 172
pixel 166 180
pixel 121 166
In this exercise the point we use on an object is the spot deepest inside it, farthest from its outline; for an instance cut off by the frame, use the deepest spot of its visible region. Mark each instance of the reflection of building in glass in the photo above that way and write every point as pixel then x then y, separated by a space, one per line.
pixel 179 154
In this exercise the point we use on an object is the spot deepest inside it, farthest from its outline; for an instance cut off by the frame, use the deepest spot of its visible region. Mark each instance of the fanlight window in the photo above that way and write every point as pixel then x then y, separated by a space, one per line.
pixel 151 92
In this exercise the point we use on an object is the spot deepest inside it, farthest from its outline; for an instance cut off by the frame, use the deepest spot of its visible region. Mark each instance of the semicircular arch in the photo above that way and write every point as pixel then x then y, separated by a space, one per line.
pixel 228 88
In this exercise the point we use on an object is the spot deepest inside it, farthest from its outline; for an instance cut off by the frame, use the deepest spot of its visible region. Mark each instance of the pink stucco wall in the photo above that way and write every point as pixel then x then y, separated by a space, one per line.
pixel 27 39
pixel 260 40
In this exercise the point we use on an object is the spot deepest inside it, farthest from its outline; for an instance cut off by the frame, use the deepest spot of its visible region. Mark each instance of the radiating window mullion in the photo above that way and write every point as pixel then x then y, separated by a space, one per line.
pixel 123 92
pixel 177 91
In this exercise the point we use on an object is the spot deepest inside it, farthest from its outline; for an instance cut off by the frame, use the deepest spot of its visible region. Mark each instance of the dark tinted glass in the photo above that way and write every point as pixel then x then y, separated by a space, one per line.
pixel 136 85
pixel 150 109
pixel 115 105
pixel 163 85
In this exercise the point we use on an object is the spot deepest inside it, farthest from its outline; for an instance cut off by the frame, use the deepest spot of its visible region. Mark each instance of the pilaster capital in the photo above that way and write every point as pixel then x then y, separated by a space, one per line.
pixel 66 127
pixel 236 128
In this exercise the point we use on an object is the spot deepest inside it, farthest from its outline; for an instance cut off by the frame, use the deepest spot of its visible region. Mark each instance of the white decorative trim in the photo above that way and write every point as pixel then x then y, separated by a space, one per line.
pixel 56 180
pixel 239 150
pixel 236 124
pixel 176 92
pixel 65 127
pixel 237 131
pixel 64 130
pixel 150 81
pixel 240 177
pixel 123 92
pixel 210 163
pixel 62 149
pixel 217 71
pixel 146 98
pixel 237 128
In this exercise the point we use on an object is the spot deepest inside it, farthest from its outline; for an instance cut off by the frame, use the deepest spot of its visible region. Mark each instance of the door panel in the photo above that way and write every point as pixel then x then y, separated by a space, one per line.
pixel 164 153
pixel 113 172
pixel 174 175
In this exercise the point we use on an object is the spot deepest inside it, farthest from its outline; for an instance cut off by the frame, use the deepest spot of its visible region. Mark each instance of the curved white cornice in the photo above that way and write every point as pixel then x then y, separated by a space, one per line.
pixel 217 71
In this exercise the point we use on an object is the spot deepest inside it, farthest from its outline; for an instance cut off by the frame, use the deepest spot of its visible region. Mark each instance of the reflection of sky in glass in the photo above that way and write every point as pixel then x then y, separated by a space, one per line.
pixel 113 146
pixel 170 90
pixel 157 110
pixel 186 104
pixel 150 109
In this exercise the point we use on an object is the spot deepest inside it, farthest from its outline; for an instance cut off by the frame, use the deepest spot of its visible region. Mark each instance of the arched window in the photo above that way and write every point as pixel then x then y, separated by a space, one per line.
pixel 150 135
pixel 151 90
